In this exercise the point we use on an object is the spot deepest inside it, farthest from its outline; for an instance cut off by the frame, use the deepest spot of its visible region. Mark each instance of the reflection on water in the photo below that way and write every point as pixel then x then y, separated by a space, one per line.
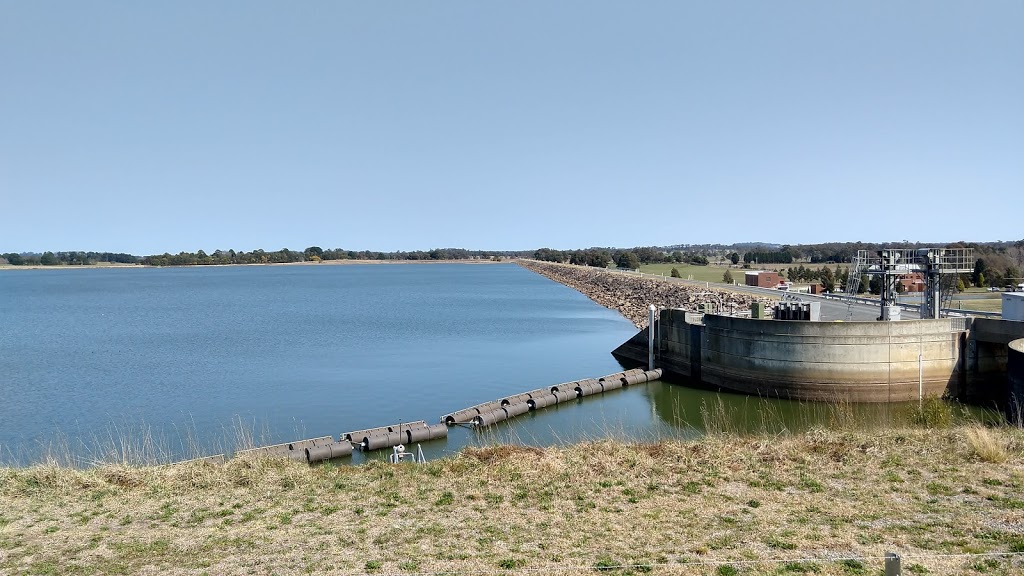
pixel 696 411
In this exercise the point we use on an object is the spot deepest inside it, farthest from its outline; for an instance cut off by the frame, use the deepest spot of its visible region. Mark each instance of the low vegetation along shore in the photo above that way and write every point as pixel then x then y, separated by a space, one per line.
pixel 948 500
pixel 631 295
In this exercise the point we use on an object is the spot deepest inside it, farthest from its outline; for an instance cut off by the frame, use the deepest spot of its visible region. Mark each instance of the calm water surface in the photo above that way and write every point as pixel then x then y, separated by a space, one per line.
pixel 193 355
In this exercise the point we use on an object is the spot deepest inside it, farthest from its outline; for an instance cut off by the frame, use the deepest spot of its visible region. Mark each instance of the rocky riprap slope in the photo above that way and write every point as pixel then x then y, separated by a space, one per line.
pixel 631 295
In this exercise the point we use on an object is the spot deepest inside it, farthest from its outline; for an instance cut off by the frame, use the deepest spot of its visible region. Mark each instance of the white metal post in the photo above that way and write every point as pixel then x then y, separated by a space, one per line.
pixel 650 337
pixel 920 380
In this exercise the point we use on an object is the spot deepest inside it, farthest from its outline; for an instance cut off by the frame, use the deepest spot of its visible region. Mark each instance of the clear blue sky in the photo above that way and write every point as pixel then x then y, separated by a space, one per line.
pixel 147 127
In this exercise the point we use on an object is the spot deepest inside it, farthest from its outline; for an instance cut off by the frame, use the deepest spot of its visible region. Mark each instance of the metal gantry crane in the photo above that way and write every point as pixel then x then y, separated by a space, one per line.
pixel 892 265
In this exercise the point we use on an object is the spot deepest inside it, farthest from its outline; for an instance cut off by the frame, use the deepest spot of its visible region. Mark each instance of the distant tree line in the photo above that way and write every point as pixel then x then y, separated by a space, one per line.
pixel 622 258
pixel 67 258
pixel 310 254
pixel 201 258
pixel 769 257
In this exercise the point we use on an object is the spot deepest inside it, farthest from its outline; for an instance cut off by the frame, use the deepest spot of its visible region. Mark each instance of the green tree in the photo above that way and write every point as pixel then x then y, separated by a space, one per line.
pixel 981 282
pixel 48 259
pixel 734 257
pixel 995 279
pixel 959 285
pixel 727 277
pixel 980 268
pixel 675 273
pixel 628 260
pixel 828 280
pixel 14 259
pixel 862 287
pixel 313 251
pixel 875 284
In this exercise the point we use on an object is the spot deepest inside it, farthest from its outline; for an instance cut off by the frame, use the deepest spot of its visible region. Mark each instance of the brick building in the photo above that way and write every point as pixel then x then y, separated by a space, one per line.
pixel 913 282
pixel 762 279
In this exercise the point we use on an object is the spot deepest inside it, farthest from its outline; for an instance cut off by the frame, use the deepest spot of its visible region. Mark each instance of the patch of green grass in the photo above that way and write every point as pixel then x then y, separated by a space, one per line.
pixel 810 484
pixel 46 568
pixel 985 565
pixel 141 549
pixel 1007 502
pixel 779 543
pixel 801 567
pixel 939 489
pixel 372 565
pixel 511 563
pixel 851 566
pixel 165 513
pixel 709 273
pixel 445 499
pixel 727 570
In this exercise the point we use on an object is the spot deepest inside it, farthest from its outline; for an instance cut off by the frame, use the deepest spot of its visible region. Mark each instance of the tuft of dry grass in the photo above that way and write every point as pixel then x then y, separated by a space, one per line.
pixel 986 445
pixel 502 453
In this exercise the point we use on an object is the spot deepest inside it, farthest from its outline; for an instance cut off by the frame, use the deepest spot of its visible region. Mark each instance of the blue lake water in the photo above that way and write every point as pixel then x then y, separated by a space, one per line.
pixel 284 350
pixel 194 356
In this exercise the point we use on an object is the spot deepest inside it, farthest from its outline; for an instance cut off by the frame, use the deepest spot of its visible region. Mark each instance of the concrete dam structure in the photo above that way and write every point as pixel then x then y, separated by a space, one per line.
pixel 965 358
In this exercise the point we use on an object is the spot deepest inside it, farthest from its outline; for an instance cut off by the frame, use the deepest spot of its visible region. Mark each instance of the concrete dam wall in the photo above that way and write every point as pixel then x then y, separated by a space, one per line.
pixel 823 361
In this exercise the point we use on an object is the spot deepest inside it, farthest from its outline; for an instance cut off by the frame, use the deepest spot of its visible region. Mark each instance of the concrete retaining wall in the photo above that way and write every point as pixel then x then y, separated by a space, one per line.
pixel 855 361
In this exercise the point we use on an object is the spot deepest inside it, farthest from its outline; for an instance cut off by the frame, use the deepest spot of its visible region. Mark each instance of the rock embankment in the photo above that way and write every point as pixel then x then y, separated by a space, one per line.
pixel 631 295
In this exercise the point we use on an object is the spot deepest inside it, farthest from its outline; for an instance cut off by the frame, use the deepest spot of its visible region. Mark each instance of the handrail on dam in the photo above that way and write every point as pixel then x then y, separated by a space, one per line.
pixel 325 448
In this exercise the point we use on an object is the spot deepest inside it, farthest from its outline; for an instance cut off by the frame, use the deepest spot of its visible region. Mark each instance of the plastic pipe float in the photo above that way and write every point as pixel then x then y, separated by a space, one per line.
pixel 516 399
pixel 378 441
pixel 467 415
pixel 328 451
pixel 423 434
pixel 519 409
pixel 438 431
pixel 538 402
pixel 303 444
pixel 488 418
pixel 357 436
pixel 563 387
pixel 610 383
pixel 565 395
pixel 284 449
pixel 588 387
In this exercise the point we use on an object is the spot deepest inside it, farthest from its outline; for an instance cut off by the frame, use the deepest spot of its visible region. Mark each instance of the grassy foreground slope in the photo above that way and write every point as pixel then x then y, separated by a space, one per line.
pixel 801 504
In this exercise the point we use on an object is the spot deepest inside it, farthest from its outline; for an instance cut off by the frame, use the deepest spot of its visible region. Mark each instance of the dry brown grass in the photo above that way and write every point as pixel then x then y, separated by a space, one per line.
pixel 760 505
pixel 987 446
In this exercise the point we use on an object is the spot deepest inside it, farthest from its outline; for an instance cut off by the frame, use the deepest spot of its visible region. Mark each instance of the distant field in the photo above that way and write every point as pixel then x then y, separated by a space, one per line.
pixel 986 305
pixel 709 273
